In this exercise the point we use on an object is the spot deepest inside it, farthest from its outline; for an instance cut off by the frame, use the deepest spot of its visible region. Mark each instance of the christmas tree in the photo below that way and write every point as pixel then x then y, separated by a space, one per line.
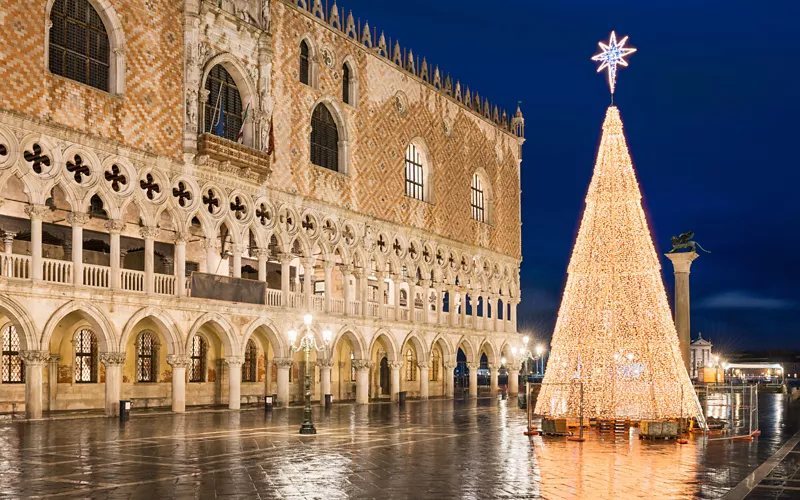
pixel 615 351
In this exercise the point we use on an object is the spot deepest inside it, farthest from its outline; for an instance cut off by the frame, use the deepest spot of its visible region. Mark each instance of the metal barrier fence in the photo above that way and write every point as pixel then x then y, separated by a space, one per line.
pixel 731 410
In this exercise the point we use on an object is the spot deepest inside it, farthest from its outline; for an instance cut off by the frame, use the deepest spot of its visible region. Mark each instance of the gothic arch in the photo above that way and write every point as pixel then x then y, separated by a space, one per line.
pixel 414 339
pixel 279 344
pixel 391 347
pixel 246 88
pixel 448 352
pixel 20 318
pixel 116 40
pixel 356 339
pixel 350 62
pixel 169 329
pixel 107 338
pixel 488 348
pixel 468 348
pixel 224 330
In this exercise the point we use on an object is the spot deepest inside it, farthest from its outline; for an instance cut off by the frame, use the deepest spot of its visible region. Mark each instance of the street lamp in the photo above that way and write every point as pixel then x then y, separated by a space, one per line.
pixel 526 355
pixel 307 344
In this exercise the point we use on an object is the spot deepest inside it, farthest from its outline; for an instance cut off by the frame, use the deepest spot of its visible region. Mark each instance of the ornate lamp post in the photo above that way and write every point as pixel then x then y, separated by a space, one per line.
pixel 308 344
pixel 526 355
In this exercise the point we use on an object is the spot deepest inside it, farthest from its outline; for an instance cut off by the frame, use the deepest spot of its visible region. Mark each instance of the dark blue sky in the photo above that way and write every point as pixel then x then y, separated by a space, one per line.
pixel 711 112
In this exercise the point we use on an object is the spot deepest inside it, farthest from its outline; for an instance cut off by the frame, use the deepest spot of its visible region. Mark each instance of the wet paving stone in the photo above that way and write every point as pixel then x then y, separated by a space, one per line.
pixel 432 450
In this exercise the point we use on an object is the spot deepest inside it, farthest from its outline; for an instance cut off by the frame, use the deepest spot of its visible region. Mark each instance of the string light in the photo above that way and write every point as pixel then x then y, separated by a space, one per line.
pixel 611 55
pixel 614 333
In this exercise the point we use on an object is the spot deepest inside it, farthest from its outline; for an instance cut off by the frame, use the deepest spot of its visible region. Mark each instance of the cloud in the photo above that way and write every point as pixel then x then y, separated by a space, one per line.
pixel 740 299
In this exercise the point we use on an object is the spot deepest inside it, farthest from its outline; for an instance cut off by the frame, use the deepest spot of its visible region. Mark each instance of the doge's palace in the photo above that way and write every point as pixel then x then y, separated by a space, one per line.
pixel 184 180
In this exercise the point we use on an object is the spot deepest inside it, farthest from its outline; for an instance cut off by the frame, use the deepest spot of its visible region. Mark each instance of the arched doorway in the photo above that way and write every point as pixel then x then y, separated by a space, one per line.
pixel 385 376
pixel 461 372
pixel 484 374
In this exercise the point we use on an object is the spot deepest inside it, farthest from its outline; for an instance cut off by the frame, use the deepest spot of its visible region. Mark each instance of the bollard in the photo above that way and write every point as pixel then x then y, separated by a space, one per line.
pixel 124 410
pixel 328 401
pixel 401 398
pixel 268 403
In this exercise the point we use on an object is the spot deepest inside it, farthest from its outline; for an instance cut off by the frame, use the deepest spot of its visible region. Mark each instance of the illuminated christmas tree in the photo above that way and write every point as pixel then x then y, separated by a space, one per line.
pixel 615 348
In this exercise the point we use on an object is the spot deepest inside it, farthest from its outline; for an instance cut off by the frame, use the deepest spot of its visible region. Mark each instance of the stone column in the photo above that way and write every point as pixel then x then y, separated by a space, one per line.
pixel 463 307
pixel 394 381
pixel 235 381
pixel 473 379
pixel 52 380
pixel 439 303
pixel 113 362
pixel 475 298
pixel 8 249
pixel 452 307
pixel 77 220
pixel 237 251
pixel 361 284
pixel 329 265
pixel 37 213
pixel 213 258
pixel 426 286
pixel 149 235
pixel 180 264
pixel 263 255
pixel 178 364
pixel 423 379
pixel 284 365
pixel 513 318
pixel 308 282
pixel 494 374
pixel 382 277
pixel 286 259
pixel 496 315
pixel 682 263
pixel 34 362
pixel 449 387
pixel 513 379
pixel 488 320
pixel 114 228
pixel 347 271
pixel 325 366
pixel 398 280
pixel 362 380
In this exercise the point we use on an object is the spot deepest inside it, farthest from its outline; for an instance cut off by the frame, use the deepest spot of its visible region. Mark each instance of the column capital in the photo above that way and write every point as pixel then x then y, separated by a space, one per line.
pixel 682 261
pixel 423 365
pixel 262 253
pixel 286 258
pixel 149 232
pixel 426 283
pixel 114 225
pixel 37 211
pixel 237 248
pixel 473 367
pixel 35 358
pixel 112 358
pixel 54 358
pixel 347 270
pixel 361 364
pixel 9 235
pixel 234 361
pixel 359 272
pixel 282 362
pixel 307 262
pixel 325 363
pixel 182 237
pixel 211 244
pixel 383 274
pixel 395 365
pixel 450 365
pixel 178 361
pixel 77 219
pixel 330 265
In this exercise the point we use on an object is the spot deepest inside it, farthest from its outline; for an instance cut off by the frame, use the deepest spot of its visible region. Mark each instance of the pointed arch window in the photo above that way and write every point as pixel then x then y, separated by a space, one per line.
pixel 346 84
pixel 324 139
pixel 305 63
pixel 477 201
pixel 411 370
pixel 436 360
pixel 13 367
pixel 146 356
pixel 415 174
pixel 85 343
pixel 223 109
pixel 197 366
pixel 79 47
pixel 250 366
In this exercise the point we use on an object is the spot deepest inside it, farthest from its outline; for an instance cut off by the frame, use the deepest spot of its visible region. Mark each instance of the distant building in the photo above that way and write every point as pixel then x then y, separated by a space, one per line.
pixel 701 354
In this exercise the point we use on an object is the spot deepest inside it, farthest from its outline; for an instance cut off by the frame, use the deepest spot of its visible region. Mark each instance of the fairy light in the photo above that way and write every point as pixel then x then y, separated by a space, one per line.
pixel 614 333
pixel 611 55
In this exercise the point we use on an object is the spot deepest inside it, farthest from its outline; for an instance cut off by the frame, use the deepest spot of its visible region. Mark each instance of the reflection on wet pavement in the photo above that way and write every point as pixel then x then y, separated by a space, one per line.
pixel 437 450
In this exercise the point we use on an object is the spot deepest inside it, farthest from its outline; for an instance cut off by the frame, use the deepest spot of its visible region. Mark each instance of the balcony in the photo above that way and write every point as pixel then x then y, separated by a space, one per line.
pixel 243 160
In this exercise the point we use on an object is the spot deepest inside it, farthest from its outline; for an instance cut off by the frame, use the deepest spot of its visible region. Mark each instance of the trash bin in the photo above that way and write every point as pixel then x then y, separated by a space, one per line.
pixel 328 400
pixel 124 410
pixel 521 401
pixel 268 403
pixel 401 397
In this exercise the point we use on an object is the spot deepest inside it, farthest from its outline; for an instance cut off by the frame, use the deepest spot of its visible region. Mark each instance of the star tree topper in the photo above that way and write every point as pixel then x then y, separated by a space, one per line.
pixel 611 55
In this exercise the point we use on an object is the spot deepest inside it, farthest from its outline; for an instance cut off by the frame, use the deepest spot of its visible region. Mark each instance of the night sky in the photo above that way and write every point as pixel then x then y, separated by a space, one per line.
pixel 710 106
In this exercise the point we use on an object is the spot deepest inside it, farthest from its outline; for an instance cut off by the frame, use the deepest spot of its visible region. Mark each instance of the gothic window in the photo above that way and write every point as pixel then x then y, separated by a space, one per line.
pixel 85 343
pixel 223 109
pixel 146 352
pixel 352 367
pixel 435 361
pixel 13 368
pixel 305 63
pixel 324 139
pixel 415 174
pixel 197 367
pixel 411 370
pixel 96 207
pixel 477 201
pixel 79 45
pixel 250 366
pixel 346 84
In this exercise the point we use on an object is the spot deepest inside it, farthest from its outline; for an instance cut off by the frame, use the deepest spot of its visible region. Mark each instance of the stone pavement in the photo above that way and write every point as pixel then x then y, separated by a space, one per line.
pixel 431 450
